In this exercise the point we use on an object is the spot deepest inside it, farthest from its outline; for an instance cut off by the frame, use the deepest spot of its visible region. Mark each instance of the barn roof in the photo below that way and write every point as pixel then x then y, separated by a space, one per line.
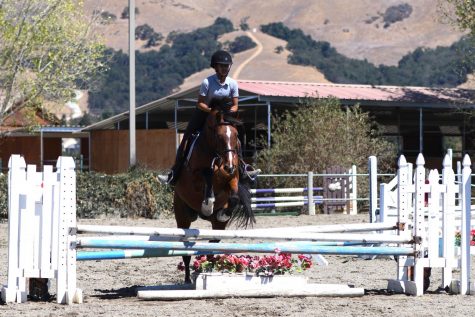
pixel 357 92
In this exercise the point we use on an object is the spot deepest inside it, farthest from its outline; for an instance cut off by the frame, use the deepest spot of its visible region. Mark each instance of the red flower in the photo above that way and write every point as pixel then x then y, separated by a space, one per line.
pixel 181 266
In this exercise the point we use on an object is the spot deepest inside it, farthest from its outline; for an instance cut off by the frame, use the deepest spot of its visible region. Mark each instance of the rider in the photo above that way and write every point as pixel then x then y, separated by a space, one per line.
pixel 215 89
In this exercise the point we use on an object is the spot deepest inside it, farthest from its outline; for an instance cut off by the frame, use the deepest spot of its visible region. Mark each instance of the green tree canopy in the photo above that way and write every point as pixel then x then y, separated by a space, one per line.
pixel 460 12
pixel 48 49
pixel 319 135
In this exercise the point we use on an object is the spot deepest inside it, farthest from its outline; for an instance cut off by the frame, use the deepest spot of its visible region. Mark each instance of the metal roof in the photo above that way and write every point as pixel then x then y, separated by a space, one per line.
pixel 357 92
pixel 292 92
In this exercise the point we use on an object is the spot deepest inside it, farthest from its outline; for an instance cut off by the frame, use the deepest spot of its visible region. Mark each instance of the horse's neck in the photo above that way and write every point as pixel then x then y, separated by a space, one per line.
pixel 202 144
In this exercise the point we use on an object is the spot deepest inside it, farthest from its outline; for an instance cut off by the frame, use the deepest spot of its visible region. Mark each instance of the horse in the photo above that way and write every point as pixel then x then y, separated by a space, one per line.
pixel 209 185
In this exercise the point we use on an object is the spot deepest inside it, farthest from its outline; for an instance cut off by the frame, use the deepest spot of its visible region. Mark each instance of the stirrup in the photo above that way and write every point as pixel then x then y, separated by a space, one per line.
pixel 167 179
pixel 252 174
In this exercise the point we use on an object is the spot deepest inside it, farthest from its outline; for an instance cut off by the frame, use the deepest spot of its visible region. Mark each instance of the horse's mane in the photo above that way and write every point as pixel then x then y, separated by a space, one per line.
pixel 230 117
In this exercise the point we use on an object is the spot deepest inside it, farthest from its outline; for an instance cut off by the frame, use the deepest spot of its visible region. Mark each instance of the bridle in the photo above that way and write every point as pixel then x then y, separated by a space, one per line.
pixel 219 155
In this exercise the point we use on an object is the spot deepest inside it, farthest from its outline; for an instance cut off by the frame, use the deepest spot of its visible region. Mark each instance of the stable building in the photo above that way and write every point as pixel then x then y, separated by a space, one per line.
pixel 416 119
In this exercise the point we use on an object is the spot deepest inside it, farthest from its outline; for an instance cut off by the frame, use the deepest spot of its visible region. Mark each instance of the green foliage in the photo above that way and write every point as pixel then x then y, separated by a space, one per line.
pixel 137 193
pixel 439 67
pixel 48 48
pixel 243 24
pixel 319 135
pixel 241 44
pixel 147 33
pixel 396 13
pixel 460 13
pixel 125 12
pixel 106 17
pixel 157 73
pixel 3 196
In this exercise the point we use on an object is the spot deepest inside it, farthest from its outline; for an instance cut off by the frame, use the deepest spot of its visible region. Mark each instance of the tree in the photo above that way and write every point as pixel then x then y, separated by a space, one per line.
pixel 460 13
pixel 318 135
pixel 48 49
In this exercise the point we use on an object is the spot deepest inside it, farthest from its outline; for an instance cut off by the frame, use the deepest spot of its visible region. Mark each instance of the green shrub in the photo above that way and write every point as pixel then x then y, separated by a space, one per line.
pixel 241 44
pixel 319 135
pixel 134 194
pixel 137 193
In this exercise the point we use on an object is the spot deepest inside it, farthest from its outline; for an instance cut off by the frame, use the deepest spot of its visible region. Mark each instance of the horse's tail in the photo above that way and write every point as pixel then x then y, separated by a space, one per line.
pixel 244 215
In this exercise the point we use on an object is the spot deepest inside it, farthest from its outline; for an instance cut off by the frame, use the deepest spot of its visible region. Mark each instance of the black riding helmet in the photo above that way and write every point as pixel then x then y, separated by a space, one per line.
pixel 221 57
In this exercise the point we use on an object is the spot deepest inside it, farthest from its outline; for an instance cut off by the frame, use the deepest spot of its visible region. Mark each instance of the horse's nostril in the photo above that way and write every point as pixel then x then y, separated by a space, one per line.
pixel 229 169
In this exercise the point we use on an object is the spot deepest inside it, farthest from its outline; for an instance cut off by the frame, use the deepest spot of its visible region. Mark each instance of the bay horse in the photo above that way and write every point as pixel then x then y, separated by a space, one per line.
pixel 209 185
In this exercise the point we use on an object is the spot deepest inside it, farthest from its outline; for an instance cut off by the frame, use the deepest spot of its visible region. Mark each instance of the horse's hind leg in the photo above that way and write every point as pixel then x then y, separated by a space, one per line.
pixel 183 220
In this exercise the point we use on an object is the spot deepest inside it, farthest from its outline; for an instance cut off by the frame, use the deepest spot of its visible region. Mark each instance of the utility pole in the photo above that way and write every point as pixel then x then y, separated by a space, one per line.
pixel 132 147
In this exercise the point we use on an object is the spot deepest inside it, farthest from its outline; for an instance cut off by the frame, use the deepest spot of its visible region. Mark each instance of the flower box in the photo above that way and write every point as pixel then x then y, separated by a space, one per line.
pixel 243 281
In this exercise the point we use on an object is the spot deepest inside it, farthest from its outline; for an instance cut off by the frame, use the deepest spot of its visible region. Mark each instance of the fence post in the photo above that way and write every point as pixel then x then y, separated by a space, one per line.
pixel 465 226
pixel 373 187
pixel 354 192
pixel 311 204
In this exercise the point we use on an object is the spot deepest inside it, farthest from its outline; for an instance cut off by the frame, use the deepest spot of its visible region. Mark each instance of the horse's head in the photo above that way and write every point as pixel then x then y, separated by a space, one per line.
pixel 222 137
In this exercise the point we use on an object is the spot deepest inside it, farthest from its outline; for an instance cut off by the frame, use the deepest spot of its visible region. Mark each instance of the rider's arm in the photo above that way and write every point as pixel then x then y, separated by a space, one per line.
pixel 234 106
pixel 202 105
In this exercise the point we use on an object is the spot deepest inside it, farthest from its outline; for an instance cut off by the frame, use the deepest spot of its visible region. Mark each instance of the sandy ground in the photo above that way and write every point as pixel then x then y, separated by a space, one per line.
pixel 108 286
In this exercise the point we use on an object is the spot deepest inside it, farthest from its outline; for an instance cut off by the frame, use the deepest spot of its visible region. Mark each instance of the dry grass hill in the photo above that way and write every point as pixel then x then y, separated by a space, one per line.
pixel 355 28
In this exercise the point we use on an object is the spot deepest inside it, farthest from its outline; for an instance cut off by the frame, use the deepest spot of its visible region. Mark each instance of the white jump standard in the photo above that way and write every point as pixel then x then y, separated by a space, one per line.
pixel 44 240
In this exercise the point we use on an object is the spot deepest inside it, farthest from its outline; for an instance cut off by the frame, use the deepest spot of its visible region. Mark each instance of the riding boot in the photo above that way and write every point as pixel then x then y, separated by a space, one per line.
pixel 246 169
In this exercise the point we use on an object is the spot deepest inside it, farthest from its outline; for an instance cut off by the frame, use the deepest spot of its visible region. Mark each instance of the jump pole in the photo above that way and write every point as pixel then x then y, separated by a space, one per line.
pixel 288 235
pixel 309 290
pixel 130 254
pixel 239 247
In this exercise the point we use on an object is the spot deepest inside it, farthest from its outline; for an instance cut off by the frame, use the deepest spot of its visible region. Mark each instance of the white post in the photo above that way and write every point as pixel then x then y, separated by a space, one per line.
pixel 373 187
pixel 465 226
pixel 66 277
pixel 15 290
pixel 433 221
pixel 448 220
pixel 354 191
pixel 403 202
pixel 419 224
pixel 311 204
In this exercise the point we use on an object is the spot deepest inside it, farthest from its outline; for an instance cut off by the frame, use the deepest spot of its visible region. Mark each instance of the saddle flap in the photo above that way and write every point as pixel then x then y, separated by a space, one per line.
pixel 191 145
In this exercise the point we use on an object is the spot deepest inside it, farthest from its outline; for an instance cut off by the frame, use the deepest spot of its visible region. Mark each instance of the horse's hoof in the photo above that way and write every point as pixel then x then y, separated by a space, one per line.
pixel 207 207
pixel 222 216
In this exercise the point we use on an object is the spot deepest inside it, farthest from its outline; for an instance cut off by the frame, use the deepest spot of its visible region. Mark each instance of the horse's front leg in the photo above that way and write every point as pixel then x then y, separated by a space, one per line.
pixel 233 202
pixel 207 205
pixel 183 221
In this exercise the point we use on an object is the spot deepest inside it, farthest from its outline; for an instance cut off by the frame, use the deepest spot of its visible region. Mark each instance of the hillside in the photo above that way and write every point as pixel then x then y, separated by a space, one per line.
pixel 354 28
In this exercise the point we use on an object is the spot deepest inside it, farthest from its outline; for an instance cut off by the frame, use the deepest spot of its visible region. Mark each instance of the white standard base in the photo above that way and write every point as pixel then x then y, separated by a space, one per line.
pixel 10 295
pixel 455 287
pixel 218 285
pixel 403 287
